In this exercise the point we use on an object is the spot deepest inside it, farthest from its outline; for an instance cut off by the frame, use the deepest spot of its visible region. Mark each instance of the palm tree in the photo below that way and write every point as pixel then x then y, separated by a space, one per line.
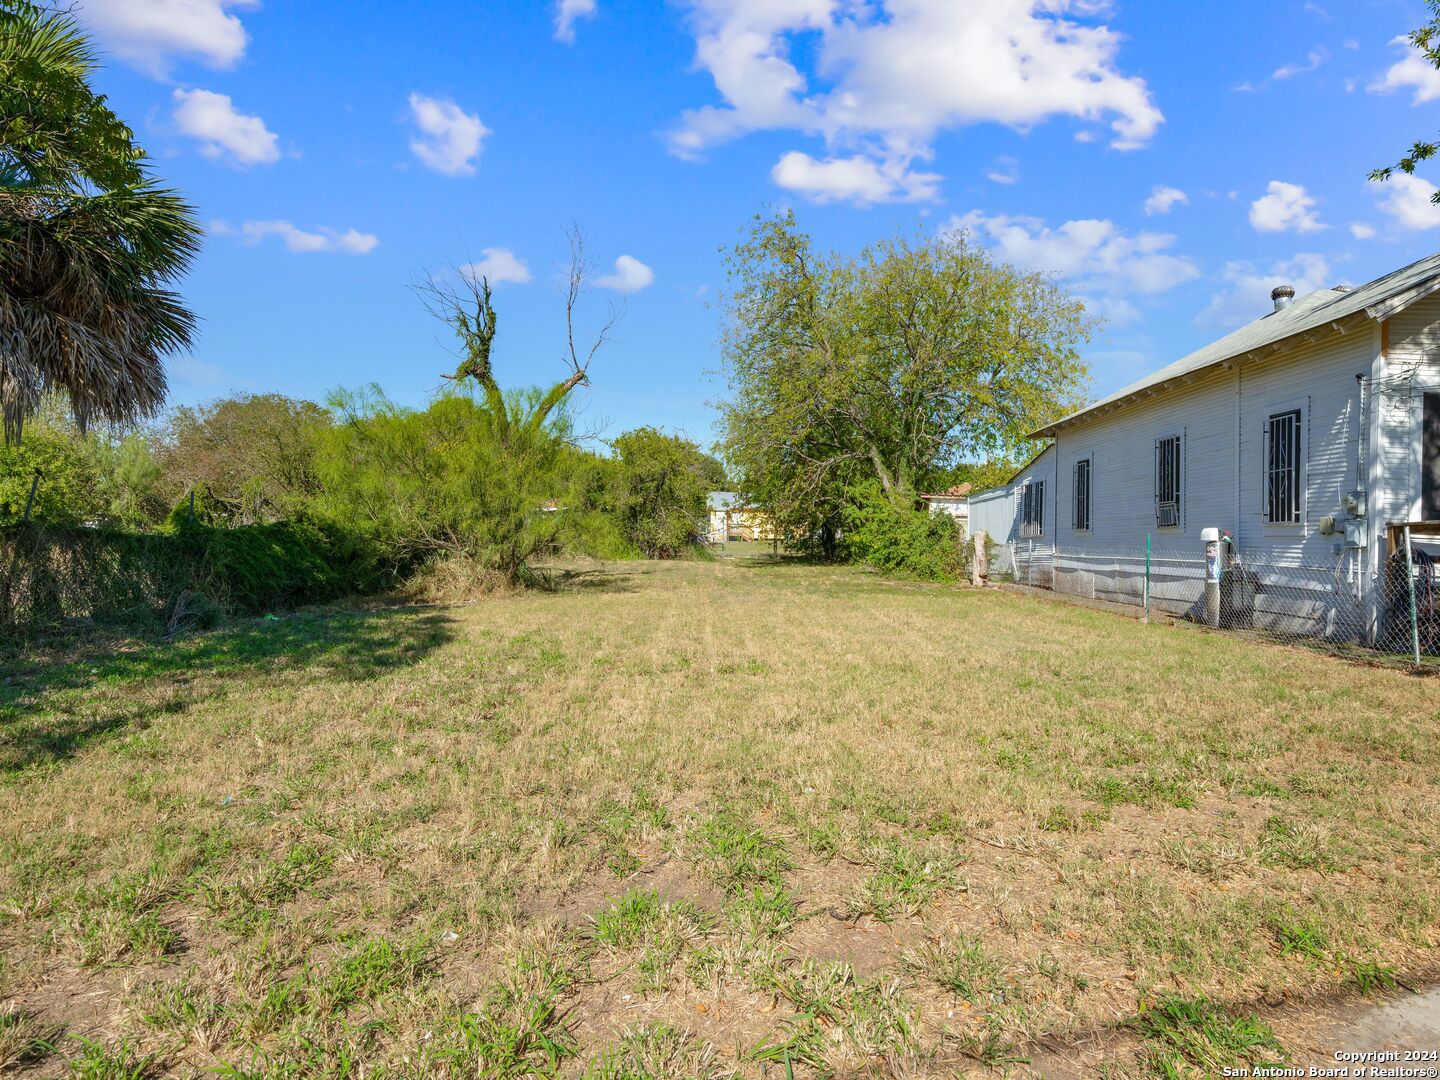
pixel 88 239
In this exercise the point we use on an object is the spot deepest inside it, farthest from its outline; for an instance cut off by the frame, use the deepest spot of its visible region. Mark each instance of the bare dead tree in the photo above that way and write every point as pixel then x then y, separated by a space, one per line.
pixel 463 301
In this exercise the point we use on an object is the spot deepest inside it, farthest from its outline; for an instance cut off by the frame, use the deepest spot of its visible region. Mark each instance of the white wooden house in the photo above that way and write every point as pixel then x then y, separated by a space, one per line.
pixel 1302 434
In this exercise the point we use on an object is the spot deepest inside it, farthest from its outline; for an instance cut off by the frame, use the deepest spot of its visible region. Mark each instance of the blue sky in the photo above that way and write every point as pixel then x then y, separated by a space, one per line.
pixel 1169 161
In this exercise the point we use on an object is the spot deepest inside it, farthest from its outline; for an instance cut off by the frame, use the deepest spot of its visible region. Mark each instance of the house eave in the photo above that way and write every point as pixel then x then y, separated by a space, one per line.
pixel 1225 363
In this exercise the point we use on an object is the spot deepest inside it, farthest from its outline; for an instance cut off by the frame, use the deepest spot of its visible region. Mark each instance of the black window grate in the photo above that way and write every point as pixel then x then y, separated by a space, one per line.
pixel 1082 495
pixel 1282 468
pixel 1167 482
pixel 1032 509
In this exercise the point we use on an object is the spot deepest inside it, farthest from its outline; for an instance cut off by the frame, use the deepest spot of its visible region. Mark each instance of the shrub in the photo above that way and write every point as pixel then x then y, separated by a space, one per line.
pixel 888 533
pixel 51 575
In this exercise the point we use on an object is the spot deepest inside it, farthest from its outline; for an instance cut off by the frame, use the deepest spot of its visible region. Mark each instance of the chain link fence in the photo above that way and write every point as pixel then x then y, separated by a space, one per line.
pixel 1341 606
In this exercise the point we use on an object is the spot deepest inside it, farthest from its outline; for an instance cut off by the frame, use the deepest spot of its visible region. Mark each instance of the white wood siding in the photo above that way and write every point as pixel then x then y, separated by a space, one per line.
pixel 1411 368
pixel 1220 418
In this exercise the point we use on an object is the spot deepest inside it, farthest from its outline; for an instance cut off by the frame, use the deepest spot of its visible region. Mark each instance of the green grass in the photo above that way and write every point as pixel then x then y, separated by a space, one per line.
pixel 698 820
pixel 1186 1034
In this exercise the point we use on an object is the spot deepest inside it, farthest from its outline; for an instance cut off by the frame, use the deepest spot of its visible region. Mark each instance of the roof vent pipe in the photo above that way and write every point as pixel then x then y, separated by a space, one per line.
pixel 1283 296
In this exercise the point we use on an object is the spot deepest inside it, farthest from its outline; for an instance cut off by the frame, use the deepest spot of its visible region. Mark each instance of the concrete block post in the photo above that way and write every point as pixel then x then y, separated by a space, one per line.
pixel 980 567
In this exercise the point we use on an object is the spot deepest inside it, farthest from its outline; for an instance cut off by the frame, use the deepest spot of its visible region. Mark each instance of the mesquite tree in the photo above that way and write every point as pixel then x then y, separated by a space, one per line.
pixel 888 368
pixel 479 473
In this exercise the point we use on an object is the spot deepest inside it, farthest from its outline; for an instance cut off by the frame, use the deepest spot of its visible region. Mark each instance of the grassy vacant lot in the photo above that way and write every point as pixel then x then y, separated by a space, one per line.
pixel 695 820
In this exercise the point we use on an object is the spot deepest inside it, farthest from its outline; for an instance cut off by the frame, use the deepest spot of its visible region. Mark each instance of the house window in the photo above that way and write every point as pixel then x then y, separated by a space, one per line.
pixel 1032 509
pixel 1167 482
pixel 1082 496
pixel 1282 468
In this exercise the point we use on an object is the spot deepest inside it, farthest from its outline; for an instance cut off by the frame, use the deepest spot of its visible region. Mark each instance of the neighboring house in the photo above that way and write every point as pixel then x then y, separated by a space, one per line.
pixel 954 501
pixel 1302 434
pixel 730 520
pixel 721 503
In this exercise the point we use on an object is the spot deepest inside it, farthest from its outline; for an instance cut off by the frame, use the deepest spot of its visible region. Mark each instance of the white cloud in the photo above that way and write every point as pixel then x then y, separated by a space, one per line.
pixel 631 275
pixel 1285 208
pixel 1247 296
pixel 1413 70
pixel 151 33
pixel 349 242
pixel 1006 170
pixel 1408 200
pixel 213 119
pixel 1361 231
pixel 1162 199
pixel 853 179
pixel 890 75
pixel 449 138
pixel 1097 257
pixel 1313 59
pixel 567 12
pixel 498 266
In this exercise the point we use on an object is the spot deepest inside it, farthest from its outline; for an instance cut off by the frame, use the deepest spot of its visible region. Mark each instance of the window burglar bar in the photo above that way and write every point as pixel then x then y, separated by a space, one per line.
pixel 1032 509
pixel 1282 468
pixel 1167 481
pixel 1082 495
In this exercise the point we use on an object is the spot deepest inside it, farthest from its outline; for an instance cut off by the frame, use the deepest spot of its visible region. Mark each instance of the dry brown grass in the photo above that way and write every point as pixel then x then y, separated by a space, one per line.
pixel 694 820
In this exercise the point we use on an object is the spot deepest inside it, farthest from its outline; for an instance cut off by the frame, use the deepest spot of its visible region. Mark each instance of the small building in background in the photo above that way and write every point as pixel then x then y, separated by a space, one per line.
pixel 954 501
pixel 731 520
pixel 721 504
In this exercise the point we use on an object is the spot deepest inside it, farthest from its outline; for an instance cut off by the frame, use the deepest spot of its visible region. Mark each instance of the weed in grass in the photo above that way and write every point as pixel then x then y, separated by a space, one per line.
pixel 1368 976
pixel 764 911
pixel 737 858
pixel 627 919
pixel 121 1061
pixel 656 1052
pixel 662 932
pixel 23 1038
pixel 1299 937
pixel 371 968
pixel 992 1049
pixel 104 937
pixel 901 886
pixel 1149 789
pixel 621 824
pixel 751 962
pixel 190 1011
pixel 1296 845
pixel 800 1042
pixel 963 966
pixel 1214 861
pixel 509 1037
pixel 1182 1034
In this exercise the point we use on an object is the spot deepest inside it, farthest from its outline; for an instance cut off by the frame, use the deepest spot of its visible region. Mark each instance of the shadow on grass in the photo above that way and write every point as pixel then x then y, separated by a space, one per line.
pixel 48 712
pixel 606 579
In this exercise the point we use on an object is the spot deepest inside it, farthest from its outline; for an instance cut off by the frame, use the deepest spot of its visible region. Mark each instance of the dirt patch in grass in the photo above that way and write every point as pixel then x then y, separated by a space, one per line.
pixel 701 820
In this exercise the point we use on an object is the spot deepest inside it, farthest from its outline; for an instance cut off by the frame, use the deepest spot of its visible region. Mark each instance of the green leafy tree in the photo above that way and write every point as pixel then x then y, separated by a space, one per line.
pixel 89 241
pixel 253 454
pixel 1426 39
pixel 661 486
pixel 891 367
pixel 69 489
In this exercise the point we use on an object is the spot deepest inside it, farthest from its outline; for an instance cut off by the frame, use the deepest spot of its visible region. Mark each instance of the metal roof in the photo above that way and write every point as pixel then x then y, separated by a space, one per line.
pixel 1322 311
pixel 723 500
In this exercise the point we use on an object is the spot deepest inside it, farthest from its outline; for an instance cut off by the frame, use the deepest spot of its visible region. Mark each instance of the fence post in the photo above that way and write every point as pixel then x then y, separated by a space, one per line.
pixel 979 569
pixel 1410 584
pixel 1145 589
pixel 30 502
